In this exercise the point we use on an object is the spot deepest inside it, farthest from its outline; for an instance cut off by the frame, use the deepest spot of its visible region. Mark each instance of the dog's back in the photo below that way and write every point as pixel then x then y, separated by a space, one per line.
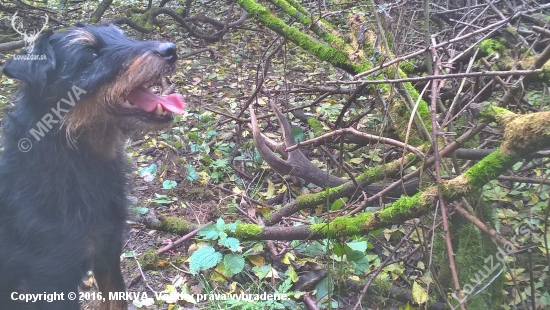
pixel 62 171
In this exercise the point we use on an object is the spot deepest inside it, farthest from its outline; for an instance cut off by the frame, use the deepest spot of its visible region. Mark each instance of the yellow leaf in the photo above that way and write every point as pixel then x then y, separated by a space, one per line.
pixel 270 190
pixel 233 287
pixel 356 160
pixel 216 276
pixel 292 274
pixel 419 293
pixel 288 257
pixel 282 189
pixel 272 274
pixel 257 260
pixel 204 177
pixel 265 211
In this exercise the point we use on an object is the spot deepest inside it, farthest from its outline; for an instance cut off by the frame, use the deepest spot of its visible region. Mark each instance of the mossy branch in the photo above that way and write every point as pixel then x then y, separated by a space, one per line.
pixel 523 134
pixel 338 53
pixel 322 51
pixel 348 189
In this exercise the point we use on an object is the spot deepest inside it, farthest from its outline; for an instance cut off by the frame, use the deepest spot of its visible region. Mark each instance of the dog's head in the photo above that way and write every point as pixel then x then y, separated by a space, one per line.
pixel 90 77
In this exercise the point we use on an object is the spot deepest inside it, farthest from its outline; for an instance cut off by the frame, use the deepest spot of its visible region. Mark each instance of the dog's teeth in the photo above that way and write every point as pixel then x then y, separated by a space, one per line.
pixel 159 109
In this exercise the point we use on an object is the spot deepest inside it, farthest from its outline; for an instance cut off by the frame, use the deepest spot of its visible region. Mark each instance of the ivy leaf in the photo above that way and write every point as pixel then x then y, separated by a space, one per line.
pixel 169 184
pixel 204 258
pixel 148 173
pixel 192 174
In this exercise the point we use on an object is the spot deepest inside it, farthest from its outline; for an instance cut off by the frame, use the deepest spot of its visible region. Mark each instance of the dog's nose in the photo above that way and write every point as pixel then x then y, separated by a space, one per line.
pixel 168 51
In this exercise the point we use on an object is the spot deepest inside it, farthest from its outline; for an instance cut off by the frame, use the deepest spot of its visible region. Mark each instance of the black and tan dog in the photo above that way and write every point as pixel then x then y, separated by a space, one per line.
pixel 62 170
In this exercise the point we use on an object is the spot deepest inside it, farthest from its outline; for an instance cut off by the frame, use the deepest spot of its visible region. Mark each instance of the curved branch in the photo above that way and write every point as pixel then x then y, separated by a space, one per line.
pixel 524 134
pixel 370 139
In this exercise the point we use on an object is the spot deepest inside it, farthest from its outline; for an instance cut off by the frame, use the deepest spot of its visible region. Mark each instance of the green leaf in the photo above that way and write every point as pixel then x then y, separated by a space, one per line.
pixel 220 224
pixel 192 174
pixel 233 263
pixel 209 232
pixel 324 288
pixel 148 173
pixel 262 271
pixel 338 204
pixel 231 243
pixel 169 184
pixel 232 226
pixel 298 134
pixel 204 258
pixel 360 246
pixel 338 249
pixel 359 260
pixel 139 210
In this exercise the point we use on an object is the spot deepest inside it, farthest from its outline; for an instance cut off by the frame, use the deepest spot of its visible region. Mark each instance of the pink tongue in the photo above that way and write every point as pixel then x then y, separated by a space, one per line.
pixel 148 101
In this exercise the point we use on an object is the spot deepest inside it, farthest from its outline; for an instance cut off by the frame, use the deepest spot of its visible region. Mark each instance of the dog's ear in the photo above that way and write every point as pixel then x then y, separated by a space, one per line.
pixel 80 24
pixel 33 68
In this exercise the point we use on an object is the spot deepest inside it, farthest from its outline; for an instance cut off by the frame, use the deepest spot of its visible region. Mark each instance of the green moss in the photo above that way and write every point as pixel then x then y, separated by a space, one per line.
pixel 495 113
pixel 488 168
pixel 298 7
pixel 406 66
pixel 493 46
pixel 175 224
pixel 362 67
pixel 316 126
pixel 248 231
pixel 401 208
pixel 292 11
pixel 322 51
pixel 476 255
pixel 343 226
pixel 310 200
pixel 149 260
pixel 525 134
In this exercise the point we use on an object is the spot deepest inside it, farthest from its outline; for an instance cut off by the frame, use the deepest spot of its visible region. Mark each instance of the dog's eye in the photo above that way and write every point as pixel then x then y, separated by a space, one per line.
pixel 94 55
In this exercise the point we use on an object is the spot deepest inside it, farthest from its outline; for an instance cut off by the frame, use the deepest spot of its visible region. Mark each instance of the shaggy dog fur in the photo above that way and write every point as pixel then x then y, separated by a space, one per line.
pixel 62 170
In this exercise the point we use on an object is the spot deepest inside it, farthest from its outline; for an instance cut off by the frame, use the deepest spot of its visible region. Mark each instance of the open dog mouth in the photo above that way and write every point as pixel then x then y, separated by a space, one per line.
pixel 142 98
